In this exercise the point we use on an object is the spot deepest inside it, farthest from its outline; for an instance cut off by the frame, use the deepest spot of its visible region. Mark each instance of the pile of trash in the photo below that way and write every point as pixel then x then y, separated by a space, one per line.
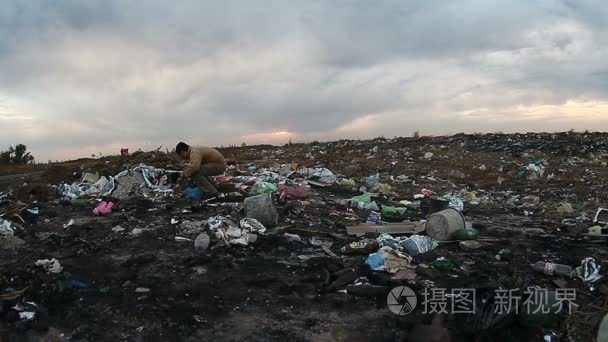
pixel 139 181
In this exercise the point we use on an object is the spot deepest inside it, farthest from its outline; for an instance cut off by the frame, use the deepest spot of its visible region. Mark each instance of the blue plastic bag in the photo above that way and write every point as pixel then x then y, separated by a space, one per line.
pixel 195 194
pixel 375 261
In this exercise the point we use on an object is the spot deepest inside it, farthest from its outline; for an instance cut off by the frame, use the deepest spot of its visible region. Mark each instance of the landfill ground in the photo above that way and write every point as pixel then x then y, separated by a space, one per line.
pixel 140 284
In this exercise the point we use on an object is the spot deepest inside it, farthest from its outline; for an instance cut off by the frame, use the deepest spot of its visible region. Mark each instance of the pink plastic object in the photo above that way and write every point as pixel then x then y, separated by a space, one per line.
pixel 288 192
pixel 103 208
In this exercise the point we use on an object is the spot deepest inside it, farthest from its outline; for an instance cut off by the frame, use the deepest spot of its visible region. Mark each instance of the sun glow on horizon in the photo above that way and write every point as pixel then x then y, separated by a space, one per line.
pixel 281 133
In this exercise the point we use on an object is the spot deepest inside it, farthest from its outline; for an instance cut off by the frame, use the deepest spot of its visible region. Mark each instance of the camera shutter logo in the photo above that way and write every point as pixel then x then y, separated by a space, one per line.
pixel 401 300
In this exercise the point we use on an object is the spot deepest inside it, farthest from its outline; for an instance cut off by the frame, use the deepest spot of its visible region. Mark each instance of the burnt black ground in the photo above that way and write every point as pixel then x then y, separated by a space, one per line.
pixel 243 293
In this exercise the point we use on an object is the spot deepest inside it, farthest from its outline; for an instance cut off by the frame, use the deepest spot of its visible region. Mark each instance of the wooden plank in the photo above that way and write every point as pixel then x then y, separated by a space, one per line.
pixel 389 228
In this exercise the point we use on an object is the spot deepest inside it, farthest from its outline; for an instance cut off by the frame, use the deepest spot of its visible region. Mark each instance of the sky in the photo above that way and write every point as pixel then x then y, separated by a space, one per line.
pixel 86 76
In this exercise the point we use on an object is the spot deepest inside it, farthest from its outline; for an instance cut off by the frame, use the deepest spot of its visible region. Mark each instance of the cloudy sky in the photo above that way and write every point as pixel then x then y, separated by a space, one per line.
pixel 85 76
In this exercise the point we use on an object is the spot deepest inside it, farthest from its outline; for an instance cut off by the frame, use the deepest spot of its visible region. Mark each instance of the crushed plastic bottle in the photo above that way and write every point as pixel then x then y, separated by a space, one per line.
pixel 552 269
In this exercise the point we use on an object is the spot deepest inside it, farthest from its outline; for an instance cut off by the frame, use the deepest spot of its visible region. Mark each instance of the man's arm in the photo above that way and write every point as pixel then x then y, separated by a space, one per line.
pixel 195 163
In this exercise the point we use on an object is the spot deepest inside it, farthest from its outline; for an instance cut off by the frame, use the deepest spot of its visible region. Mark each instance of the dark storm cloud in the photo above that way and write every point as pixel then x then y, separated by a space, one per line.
pixel 87 76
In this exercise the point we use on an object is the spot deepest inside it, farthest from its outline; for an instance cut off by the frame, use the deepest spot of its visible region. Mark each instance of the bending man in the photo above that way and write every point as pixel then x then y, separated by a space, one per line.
pixel 204 162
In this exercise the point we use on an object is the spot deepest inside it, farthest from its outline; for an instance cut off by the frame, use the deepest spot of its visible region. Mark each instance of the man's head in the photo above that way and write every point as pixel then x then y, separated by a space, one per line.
pixel 183 150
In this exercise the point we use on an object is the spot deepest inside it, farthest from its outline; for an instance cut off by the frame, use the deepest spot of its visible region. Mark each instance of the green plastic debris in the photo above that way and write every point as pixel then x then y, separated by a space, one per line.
pixel 264 187
pixel 443 264
pixel 466 234
pixel 365 198
pixel 80 202
pixel 392 210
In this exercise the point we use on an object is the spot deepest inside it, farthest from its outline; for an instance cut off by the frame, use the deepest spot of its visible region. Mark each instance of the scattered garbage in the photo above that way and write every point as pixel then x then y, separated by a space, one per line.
pixel 50 266
pixel 322 175
pixel 389 260
pixel 374 218
pixel 228 233
pixel 588 271
pixel 252 225
pixel 5 228
pixel 418 244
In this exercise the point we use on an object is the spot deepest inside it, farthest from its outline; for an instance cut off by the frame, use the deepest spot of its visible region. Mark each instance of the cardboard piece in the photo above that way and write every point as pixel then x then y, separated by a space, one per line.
pixel 389 228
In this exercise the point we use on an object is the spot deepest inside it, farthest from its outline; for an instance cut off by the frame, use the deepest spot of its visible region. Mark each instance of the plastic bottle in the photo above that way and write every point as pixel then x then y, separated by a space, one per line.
pixel 552 269
pixel 202 242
